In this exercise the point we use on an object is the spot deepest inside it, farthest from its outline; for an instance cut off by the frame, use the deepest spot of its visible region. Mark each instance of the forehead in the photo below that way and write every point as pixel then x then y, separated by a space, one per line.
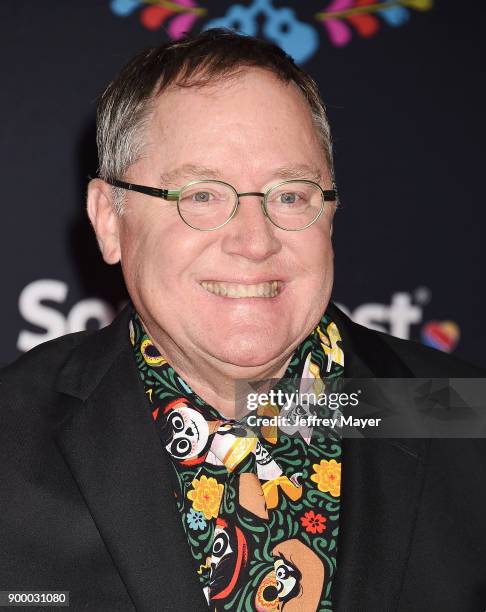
pixel 252 120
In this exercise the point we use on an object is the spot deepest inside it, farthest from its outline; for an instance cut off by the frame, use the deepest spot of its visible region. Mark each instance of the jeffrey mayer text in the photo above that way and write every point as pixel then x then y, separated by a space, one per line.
pixel 311 421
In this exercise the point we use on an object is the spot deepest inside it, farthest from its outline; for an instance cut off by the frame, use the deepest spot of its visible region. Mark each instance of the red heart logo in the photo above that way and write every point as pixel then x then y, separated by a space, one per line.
pixel 442 335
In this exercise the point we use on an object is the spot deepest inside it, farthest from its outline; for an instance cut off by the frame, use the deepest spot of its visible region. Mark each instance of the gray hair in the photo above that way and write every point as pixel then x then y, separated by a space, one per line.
pixel 126 106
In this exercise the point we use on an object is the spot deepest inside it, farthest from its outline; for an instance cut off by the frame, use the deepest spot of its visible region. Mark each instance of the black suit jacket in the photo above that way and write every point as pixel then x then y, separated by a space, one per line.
pixel 86 503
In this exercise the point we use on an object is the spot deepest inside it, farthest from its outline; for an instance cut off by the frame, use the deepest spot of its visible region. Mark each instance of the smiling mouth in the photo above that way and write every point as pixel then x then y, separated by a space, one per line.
pixel 239 290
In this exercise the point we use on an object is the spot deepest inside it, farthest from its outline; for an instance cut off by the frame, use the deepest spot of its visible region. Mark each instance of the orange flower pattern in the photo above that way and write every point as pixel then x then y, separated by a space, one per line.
pixel 206 496
pixel 260 508
pixel 328 476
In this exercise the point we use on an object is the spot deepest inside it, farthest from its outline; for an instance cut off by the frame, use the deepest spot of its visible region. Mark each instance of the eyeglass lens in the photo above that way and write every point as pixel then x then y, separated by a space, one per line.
pixel 292 205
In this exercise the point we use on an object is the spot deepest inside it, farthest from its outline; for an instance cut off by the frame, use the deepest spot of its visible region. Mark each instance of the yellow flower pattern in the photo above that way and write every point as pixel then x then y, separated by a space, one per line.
pixel 206 496
pixel 267 501
pixel 328 476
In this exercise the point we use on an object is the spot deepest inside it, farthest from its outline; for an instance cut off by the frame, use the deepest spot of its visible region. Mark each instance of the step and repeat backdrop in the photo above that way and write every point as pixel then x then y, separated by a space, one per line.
pixel 403 84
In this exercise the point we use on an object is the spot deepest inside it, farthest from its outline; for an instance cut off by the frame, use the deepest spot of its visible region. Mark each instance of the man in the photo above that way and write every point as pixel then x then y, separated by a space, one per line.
pixel 128 479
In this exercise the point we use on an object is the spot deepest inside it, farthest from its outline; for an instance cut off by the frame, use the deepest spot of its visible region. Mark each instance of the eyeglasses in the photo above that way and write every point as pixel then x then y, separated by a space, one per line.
pixel 207 205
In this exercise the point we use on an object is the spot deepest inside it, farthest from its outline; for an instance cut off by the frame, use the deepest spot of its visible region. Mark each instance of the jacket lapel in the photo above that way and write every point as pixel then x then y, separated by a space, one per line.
pixel 108 439
pixel 381 488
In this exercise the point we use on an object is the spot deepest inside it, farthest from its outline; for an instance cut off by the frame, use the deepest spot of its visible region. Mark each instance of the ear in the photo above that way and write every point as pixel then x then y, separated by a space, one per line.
pixel 104 219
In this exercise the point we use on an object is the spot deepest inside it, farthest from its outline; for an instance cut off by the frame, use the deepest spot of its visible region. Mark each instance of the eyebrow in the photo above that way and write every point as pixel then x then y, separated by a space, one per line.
pixel 299 171
pixel 195 171
pixel 189 171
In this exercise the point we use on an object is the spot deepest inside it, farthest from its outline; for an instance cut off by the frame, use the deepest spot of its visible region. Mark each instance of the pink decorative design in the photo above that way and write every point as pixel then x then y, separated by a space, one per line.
pixel 338 31
pixel 183 23
pixel 153 17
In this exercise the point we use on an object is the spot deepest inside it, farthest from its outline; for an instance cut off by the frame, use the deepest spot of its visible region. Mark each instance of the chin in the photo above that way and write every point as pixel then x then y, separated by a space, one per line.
pixel 249 350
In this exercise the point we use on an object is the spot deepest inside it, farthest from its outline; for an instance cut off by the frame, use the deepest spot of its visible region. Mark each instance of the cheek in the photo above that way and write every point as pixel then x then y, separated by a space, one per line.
pixel 310 293
pixel 323 250
pixel 156 256
pixel 314 254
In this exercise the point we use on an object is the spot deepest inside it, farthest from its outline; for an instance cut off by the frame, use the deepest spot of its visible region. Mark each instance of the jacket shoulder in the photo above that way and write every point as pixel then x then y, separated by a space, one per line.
pixel 42 363
pixel 389 356
pixel 425 361
pixel 72 364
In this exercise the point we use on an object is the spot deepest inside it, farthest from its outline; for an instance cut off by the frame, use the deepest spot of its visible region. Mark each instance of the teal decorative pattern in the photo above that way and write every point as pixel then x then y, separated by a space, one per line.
pixel 260 509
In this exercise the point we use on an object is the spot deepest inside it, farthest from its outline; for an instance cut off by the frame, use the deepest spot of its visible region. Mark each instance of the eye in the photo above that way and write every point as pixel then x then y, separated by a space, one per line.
pixel 176 422
pixel 289 197
pixel 267 594
pixel 221 546
pixel 182 446
pixel 286 198
pixel 294 197
pixel 179 448
pixel 287 580
pixel 201 196
pixel 207 195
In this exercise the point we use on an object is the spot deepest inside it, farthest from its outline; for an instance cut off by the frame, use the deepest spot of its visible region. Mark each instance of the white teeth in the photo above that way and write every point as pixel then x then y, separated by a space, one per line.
pixel 237 290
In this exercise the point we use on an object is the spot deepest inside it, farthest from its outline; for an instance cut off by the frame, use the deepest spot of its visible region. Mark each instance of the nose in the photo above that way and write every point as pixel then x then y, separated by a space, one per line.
pixel 250 233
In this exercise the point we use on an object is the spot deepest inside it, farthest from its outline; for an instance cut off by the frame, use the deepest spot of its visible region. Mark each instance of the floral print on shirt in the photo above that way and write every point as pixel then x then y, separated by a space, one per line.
pixel 260 510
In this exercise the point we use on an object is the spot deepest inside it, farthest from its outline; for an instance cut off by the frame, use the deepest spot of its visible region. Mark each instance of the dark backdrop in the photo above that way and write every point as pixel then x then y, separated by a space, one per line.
pixel 406 101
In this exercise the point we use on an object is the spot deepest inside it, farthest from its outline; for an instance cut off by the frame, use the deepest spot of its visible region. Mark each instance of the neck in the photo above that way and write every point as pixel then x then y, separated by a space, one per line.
pixel 219 384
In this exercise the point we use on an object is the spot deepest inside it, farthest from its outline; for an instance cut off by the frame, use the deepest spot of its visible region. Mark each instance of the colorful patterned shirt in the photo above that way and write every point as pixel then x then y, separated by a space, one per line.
pixel 260 504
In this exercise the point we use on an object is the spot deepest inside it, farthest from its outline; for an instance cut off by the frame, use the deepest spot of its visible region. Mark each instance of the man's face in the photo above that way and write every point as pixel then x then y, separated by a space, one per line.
pixel 251 132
